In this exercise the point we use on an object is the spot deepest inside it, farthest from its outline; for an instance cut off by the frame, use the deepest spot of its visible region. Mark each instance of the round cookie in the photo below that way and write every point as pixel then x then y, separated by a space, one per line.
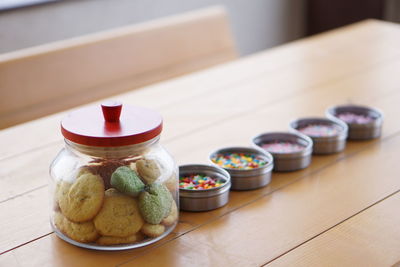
pixel 82 232
pixel 83 199
pixel 132 165
pixel 112 192
pixel 127 181
pixel 59 221
pixel 84 169
pixel 105 169
pixel 60 192
pixel 148 169
pixel 172 183
pixel 153 230
pixel 112 240
pixel 155 203
pixel 119 216
pixel 172 217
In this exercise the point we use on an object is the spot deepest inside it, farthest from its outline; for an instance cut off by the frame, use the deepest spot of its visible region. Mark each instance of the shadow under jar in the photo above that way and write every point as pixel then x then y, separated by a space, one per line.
pixel 203 187
pixel 328 135
pixel 249 168
pixel 113 186
pixel 364 122
pixel 291 151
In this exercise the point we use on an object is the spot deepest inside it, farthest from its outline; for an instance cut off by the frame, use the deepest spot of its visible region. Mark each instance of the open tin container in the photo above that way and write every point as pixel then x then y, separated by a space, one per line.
pixel 291 151
pixel 247 179
pixel 328 135
pixel 364 122
pixel 205 199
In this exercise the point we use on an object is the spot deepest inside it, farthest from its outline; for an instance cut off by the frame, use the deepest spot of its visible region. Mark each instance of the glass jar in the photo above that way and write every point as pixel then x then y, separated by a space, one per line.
pixel 113 186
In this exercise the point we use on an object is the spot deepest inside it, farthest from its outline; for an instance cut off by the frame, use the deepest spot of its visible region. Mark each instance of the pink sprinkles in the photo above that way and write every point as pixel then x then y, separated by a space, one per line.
pixel 282 147
pixel 349 117
pixel 320 130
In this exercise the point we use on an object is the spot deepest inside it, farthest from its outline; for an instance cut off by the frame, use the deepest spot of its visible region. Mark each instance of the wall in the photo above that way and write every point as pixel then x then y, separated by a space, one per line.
pixel 392 10
pixel 256 24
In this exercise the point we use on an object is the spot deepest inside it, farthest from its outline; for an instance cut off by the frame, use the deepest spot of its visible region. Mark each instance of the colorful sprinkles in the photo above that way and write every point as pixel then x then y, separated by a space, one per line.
pixel 199 182
pixel 320 130
pixel 282 147
pixel 238 161
pixel 350 117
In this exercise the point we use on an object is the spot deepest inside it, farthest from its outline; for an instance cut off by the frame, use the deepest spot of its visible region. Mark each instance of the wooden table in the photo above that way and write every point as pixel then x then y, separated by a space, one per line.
pixel 343 210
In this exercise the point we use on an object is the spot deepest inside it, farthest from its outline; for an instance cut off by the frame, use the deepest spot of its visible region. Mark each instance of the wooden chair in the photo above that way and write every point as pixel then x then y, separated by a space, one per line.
pixel 49 78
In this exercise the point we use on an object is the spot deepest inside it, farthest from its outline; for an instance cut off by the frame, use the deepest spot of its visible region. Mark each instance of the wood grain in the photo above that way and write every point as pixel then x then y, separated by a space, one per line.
pixel 371 238
pixel 264 229
pixel 256 94
pixel 285 218
pixel 19 181
pixel 281 62
pixel 357 87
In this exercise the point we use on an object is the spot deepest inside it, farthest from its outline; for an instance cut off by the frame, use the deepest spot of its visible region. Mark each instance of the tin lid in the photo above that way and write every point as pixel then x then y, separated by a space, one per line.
pixel 111 124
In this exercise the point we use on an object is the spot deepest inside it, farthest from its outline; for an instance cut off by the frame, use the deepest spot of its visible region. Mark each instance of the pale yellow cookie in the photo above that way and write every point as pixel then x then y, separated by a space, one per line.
pixel 112 192
pixel 172 183
pixel 82 232
pixel 149 170
pixel 119 216
pixel 60 192
pixel 59 221
pixel 133 166
pixel 153 230
pixel 83 199
pixel 172 217
pixel 112 240
pixel 84 169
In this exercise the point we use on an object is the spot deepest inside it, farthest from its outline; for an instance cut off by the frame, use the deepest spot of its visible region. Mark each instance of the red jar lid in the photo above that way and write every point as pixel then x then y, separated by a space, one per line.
pixel 111 124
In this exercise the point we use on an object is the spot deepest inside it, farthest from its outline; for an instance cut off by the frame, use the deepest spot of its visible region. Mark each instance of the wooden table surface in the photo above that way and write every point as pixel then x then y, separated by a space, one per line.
pixel 343 210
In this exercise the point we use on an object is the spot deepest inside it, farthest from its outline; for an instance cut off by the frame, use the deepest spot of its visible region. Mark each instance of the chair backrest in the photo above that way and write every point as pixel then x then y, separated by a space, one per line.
pixel 49 78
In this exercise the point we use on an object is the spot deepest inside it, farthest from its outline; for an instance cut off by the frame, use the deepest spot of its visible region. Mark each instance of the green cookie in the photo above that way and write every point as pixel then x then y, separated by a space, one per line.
pixel 127 181
pixel 155 203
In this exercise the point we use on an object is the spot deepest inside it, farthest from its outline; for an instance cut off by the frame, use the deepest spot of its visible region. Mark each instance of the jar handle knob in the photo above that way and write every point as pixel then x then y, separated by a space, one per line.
pixel 111 110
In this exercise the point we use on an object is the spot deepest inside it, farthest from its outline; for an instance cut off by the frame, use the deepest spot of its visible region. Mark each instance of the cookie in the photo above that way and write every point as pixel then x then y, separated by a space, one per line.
pixel 172 216
pixel 60 192
pixel 127 181
pixel 112 192
pixel 172 183
pixel 83 199
pixel 82 232
pixel 119 216
pixel 133 166
pixel 112 240
pixel 155 203
pixel 153 230
pixel 105 169
pixel 148 169
pixel 167 199
pixel 84 169
pixel 59 221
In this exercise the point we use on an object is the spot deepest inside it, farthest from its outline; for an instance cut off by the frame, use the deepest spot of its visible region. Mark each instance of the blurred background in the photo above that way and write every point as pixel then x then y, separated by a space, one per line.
pixel 55 77
pixel 256 24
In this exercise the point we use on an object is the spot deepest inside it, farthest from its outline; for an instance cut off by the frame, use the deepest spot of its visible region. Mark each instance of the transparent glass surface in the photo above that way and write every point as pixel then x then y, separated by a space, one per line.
pixel 113 198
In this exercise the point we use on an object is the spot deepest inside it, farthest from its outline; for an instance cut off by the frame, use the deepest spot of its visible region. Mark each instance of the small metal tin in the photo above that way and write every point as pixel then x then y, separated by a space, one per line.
pixel 252 178
pixel 324 144
pixel 287 161
pixel 206 199
pixel 359 131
